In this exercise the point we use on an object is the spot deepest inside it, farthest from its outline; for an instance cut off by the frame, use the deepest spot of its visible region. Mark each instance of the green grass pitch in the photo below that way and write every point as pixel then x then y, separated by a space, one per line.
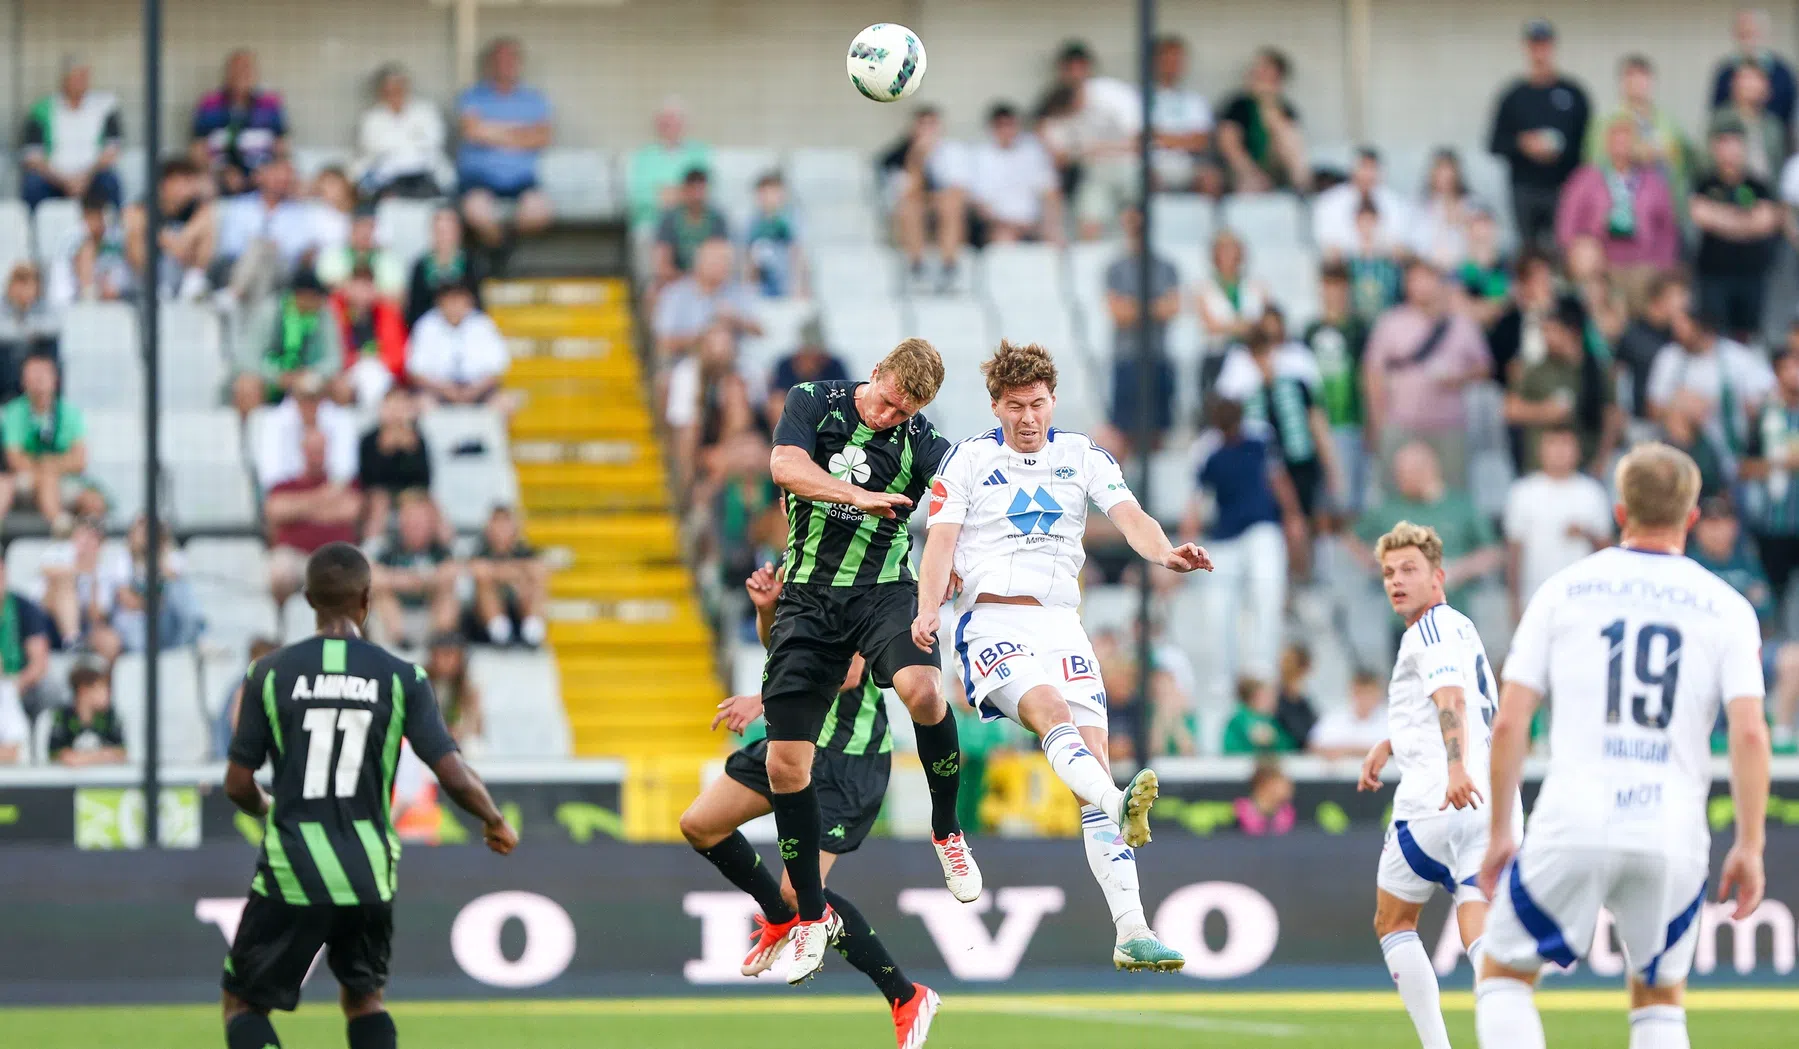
pixel 1741 1019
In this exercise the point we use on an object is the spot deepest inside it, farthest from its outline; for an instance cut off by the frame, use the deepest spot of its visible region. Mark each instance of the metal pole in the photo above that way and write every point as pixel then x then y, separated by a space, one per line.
pixel 152 341
pixel 1148 352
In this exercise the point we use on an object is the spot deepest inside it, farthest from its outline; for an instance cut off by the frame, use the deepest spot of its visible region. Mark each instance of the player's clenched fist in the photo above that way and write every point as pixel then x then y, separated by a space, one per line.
pixel 500 837
pixel 1187 558
pixel 924 629
pixel 1373 764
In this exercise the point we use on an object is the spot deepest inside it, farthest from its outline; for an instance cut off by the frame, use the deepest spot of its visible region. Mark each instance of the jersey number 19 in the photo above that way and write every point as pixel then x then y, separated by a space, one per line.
pixel 322 725
pixel 1665 676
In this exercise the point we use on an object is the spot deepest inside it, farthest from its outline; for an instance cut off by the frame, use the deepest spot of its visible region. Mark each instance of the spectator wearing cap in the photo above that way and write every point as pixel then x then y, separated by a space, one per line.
pixel 1421 359
pixel 304 513
pixel 81 586
pixel 1538 129
pixel 1334 211
pixel 1626 206
pixel 88 731
pixel 188 235
pixel 71 141
pixel 771 242
pixel 505 125
pixel 362 251
pixel 1259 134
pixel 1012 185
pixel 95 264
pixel 400 142
pixel 1554 516
pixel 512 582
pixel 924 185
pixel 289 336
pixel 278 438
pixel 811 361
pixel 1181 121
pixel 1706 382
pixel 1660 142
pixel 1750 30
pixel 27 325
pixel 457 354
pixel 1771 469
pixel 373 335
pixel 45 441
pixel 239 127
pixel 691 222
pixel 392 458
pixel 708 297
pixel 656 169
pixel 1739 226
pixel 1765 138
pixel 447 261
pixel 1123 281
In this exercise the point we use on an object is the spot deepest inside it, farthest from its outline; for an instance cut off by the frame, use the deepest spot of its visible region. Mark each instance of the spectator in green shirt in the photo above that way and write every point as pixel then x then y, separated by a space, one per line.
pixel 1471 547
pixel 45 441
pixel 1253 728
pixel 88 731
pixel 1337 339
pixel 1719 547
pixel 293 335
pixel 656 169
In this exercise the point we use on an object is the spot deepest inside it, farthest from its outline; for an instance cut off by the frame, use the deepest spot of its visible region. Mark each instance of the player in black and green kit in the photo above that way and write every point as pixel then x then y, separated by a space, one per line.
pixel 854 458
pixel 329 713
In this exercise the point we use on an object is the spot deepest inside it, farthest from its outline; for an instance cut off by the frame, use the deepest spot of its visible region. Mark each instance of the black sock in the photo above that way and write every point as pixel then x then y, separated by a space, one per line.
pixel 796 827
pixel 742 866
pixel 940 753
pixel 373 1031
pixel 250 1031
pixel 862 949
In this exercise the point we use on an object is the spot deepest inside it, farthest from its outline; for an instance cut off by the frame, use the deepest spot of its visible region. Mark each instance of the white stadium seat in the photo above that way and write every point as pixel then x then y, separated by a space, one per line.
pixel 734 173
pixel 310 160
pixel 817 176
pixel 192 351
pixel 781 321
pixel 184 731
pixel 862 332
pixel 837 222
pixel 1022 270
pixel 578 182
pixel 958 327
pixel 522 692
pixel 854 272
pixel 1265 220
pixel 1180 224
pixel 54 226
pixel 102 362
pixel 404 227
pixel 469 485
pixel 130 170
pixel 15 235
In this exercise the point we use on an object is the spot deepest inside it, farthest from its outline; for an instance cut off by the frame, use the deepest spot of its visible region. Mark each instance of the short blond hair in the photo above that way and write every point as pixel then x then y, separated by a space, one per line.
pixel 1013 366
pixel 916 368
pixel 1658 485
pixel 1423 538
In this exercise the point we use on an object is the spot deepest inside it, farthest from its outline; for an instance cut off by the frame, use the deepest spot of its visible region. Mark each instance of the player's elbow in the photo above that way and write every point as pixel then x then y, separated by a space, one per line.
pixel 241 788
pixel 1449 699
pixel 780 465
pixel 1749 736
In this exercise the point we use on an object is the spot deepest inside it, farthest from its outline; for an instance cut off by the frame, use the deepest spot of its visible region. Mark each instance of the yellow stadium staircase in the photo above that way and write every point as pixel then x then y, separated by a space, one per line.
pixel 636 655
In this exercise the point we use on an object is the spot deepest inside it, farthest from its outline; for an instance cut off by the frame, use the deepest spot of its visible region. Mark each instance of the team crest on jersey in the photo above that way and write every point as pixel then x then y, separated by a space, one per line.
pixel 1064 472
pixel 850 464
pixel 336 686
pixel 992 659
pixel 1079 668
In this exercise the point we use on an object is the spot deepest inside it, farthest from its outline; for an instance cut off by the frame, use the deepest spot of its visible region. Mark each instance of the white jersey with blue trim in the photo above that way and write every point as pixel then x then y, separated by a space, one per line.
pixel 1024 514
pixel 1441 649
pixel 1636 652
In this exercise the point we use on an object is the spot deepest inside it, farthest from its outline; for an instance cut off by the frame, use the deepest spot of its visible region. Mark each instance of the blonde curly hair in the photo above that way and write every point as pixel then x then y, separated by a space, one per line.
pixel 1406 534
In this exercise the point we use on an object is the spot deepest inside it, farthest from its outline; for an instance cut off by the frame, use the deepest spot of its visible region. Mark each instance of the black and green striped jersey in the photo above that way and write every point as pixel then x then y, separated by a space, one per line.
pixel 837 545
pixel 856 724
pixel 329 714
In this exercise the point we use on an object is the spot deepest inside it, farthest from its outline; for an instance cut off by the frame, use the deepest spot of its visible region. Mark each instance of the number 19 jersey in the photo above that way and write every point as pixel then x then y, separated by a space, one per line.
pixel 1441 649
pixel 1636 652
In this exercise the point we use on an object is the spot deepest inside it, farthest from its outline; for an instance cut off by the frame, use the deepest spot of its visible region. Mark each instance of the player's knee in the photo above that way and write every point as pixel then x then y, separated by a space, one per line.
pixel 1390 917
pixel 698 834
pixel 1643 995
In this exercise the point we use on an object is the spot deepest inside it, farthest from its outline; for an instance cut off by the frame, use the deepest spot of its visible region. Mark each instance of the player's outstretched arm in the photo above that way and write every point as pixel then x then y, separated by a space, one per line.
pixel 243 790
pixel 1749 757
pixel 1511 741
pixel 933 580
pixel 793 469
pixel 1452 718
pixel 1147 538
pixel 470 794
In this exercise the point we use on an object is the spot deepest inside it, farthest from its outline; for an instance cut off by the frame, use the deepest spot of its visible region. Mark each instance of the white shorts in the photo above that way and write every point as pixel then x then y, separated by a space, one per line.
pixel 1439 852
pixel 1549 899
pixel 1007 650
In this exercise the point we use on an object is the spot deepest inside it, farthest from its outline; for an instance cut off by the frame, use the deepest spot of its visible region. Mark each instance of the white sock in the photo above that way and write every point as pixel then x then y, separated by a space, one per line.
pixel 1474 952
pixel 1114 866
pixel 1076 766
pixel 499 630
pixel 1417 983
pixel 1658 1027
pixel 533 631
pixel 1505 1015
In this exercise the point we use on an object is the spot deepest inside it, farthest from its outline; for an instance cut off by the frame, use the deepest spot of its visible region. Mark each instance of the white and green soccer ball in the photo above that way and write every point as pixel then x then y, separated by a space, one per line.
pixel 886 62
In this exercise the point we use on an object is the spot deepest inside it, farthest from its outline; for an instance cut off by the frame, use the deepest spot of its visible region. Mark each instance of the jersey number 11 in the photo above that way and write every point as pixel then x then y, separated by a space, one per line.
pixel 322 725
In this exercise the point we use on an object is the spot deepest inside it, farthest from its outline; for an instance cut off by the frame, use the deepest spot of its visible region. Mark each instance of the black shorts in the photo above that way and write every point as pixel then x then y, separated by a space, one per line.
pixel 817 630
pixel 276 943
pixel 851 788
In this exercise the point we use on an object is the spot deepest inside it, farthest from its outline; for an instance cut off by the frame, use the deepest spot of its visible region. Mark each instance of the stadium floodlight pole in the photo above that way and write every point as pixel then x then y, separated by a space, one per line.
pixel 152 342
pixel 1147 352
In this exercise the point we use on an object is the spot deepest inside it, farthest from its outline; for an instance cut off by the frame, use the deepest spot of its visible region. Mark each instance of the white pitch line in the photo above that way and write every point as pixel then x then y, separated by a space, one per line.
pixel 1181 1021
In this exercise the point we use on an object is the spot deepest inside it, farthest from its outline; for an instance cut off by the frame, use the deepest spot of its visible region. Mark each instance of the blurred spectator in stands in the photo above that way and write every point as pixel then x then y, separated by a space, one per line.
pixel 1012 185
pixel 924 185
pixel 771 243
pixel 1255 511
pixel 738 510
pixel 1539 128
pixel 267 234
pixel 1765 139
pixel 1421 358
pixel 656 169
pixel 707 298
pixel 1751 31
pixel 1373 264
pixel 690 222
pixel 291 336
pixel 1714 382
pixel 1124 278
pixel 1625 205
pixel 189 233
pixel 1471 550
pixel 512 582
pixel 226 723
pixel 445 262
pixel 333 200
pixel 1267 811
pixel 1739 224
pixel 25 636
pixel 82 580
pixel 1649 330
pixel 504 127
pixel 1228 301
pixel 1719 545
pixel 1592 284
pixel 88 731
pixel 1293 707
pixel 1660 143
pixel 1554 516
pixel 1568 388
pixel 1181 120
pixel 15 728
pixel 1349 730
pixel 1334 211
pixel 179 612
pixel 708 401
pixel 1253 727
pixel 360 249
pixel 45 440
pixel 1515 337
pixel 1438 233
pixel 374 336
pixel 1337 340
pixel 809 362
pixel 400 142
pixel 457 354
pixel 278 454
pixel 391 459
pixel 458 697
pixel 1484 279
pixel 92 266
pixel 239 127
pixel 28 327
pixel 1276 380
pixel 415 573
pixel 1258 130
pixel 1771 461
pixel 1103 121
pixel 71 141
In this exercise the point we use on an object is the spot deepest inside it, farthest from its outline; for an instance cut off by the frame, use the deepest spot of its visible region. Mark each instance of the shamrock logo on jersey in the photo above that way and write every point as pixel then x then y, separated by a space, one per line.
pixel 850 464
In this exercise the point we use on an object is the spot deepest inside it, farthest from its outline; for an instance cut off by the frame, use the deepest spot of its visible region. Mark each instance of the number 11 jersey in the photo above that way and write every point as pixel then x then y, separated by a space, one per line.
pixel 329 714
pixel 1636 652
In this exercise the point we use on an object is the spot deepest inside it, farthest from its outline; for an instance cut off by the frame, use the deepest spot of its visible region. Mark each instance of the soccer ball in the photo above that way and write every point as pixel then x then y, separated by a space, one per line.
pixel 886 62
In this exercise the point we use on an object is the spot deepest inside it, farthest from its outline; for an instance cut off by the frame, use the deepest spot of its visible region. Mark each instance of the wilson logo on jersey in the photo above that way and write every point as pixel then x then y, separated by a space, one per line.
pixel 994 478
pixel 1036 512
pixel 850 464
pixel 336 686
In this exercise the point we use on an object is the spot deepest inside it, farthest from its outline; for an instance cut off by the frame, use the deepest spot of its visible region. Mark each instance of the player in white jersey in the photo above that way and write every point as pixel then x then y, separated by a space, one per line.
pixel 1439 703
pixel 1008 514
pixel 1637 647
